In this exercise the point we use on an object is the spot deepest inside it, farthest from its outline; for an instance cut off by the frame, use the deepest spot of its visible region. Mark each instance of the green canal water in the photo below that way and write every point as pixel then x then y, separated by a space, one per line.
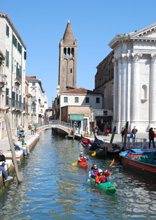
pixel 53 189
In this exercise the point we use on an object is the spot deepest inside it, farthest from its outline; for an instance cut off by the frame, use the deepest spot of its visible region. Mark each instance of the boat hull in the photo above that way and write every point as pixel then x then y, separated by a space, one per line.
pixel 83 165
pixel 108 187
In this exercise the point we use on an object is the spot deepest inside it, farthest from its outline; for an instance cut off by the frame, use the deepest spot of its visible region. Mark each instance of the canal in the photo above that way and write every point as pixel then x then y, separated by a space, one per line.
pixel 53 189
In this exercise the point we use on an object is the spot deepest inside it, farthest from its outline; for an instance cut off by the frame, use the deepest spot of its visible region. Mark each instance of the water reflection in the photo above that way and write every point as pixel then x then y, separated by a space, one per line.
pixel 53 189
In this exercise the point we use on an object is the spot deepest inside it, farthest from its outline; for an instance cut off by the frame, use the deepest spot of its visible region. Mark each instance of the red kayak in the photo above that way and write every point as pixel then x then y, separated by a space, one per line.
pixel 83 164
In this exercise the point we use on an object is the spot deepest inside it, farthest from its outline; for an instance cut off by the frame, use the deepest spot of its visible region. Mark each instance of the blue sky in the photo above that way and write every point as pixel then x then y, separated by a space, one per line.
pixel 41 25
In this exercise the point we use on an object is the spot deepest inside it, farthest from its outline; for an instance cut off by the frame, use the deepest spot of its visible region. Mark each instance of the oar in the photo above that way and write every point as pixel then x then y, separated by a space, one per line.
pixel 75 163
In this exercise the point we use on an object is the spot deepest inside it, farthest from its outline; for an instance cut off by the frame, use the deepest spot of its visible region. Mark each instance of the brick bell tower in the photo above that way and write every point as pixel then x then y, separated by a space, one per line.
pixel 67 60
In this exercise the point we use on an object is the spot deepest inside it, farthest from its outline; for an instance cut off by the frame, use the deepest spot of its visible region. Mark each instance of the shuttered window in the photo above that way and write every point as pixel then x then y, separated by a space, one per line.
pixel 7 58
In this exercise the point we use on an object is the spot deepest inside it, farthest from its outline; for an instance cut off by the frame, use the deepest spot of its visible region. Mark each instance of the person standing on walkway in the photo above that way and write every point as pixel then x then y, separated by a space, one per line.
pixel 134 131
pixel 122 133
pixel 151 137
pixel 32 129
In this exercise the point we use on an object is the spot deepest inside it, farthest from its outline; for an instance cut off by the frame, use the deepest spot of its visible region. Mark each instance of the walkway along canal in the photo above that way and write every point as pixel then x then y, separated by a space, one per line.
pixel 53 189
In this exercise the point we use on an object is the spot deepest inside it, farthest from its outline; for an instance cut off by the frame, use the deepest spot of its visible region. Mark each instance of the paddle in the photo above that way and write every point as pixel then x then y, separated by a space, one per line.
pixel 75 163
pixel 112 162
pixel 93 154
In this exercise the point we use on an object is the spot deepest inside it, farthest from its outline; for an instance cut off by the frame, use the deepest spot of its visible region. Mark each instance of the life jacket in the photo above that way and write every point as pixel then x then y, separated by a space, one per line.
pixel 82 159
pixel 101 179
pixel 95 172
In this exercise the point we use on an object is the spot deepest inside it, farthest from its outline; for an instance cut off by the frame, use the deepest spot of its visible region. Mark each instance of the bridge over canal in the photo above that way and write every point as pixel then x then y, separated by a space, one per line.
pixel 56 124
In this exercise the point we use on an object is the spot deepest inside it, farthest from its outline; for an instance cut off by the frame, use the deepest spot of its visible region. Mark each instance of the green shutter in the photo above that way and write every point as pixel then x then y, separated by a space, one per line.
pixel 7 58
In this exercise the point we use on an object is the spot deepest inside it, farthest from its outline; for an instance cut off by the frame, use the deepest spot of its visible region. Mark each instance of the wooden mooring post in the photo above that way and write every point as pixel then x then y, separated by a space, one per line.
pixel 12 147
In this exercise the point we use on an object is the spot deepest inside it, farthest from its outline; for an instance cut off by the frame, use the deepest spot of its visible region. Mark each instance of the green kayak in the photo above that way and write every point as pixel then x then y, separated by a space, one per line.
pixel 109 187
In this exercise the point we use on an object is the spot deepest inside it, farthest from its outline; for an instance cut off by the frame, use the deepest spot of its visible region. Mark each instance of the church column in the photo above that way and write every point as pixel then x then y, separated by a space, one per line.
pixel 119 95
pixel 115 92
pixel 123 91
pixel 128 92
pixel 135 86
pixel 152 92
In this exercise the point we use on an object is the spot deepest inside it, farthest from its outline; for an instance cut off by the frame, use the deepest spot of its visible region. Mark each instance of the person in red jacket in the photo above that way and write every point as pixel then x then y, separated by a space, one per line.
pixel 82 158
pixel 101 177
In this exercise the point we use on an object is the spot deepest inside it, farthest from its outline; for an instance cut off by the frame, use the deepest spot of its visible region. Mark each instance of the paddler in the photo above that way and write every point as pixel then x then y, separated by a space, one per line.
pixel 82 158
pixel 101 177
pixel 94 171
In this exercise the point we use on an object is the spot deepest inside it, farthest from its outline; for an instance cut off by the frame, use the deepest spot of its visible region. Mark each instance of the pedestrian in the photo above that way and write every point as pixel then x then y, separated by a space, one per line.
pixel 2 168
pixel 122 134
pixel 32 129
pixel 151 137
pixel 134 131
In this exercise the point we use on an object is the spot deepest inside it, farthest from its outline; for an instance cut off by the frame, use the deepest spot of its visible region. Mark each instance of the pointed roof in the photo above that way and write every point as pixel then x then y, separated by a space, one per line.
pixel 68 37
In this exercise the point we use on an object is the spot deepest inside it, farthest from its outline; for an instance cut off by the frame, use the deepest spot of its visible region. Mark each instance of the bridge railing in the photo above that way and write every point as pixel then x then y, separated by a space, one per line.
pixel 53 122
pixel 58 122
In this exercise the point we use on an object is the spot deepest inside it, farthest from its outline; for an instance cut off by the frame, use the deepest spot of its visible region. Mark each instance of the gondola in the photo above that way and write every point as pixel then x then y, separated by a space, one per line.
pixel 97 146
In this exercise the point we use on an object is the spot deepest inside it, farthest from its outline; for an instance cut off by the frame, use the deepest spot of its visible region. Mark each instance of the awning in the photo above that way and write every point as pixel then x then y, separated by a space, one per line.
pixel 76 118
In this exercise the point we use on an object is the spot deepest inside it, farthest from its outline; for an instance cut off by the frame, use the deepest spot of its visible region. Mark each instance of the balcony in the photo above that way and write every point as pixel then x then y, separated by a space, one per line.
pixel 16 104
pixel 18 78
pixel 2 81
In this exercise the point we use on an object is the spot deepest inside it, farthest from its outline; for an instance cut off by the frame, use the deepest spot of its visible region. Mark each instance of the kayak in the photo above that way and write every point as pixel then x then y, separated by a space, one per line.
pixel 83 164
pixel 109 187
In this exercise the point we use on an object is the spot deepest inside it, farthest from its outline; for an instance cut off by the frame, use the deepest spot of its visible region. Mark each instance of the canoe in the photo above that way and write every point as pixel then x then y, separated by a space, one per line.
pixel 83 164
pixel 109 187
pixel 140 160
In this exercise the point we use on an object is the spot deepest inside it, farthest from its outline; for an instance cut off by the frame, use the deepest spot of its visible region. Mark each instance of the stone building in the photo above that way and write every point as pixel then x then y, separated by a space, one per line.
pixel 39 102
pixel 135 79
pixel 67 60
pixel 104 84
pixel 82 106
pixel 12 75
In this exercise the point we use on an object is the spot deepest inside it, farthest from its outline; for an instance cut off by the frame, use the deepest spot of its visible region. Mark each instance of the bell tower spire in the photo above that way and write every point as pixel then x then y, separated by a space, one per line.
pixel 67 60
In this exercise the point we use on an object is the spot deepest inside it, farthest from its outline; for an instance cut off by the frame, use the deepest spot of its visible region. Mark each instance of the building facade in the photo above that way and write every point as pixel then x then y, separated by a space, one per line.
pixel 12 75
pixel 135 79
pixel 39 102
pixel 80 105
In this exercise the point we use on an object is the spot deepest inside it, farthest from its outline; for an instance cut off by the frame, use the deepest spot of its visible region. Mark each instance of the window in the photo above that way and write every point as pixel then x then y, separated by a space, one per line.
pixel 76 99
pixel 7 30
pixel 87 99
pixel 97 100
pixel 33 83
pixel 14 40
pixel 65 99
pixel 71 70
pixel 19 48
pixel 7 91
pixel 25 55
pixel 7 58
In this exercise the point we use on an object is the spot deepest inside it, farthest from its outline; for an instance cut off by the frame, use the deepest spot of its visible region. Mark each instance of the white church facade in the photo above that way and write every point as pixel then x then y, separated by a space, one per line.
pixel 135 79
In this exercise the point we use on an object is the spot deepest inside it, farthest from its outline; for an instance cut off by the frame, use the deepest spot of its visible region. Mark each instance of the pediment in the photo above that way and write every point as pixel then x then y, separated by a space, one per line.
pixel 148 32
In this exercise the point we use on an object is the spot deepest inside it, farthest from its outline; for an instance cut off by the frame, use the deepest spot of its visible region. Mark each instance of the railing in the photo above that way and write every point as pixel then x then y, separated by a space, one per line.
pixel 53 122
pixel 137 142
pixel 16 104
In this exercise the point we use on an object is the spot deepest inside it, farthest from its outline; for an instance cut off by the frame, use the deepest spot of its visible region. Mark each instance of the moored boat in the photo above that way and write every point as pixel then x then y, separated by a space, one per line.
pixel 140 160
pixel 97 146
